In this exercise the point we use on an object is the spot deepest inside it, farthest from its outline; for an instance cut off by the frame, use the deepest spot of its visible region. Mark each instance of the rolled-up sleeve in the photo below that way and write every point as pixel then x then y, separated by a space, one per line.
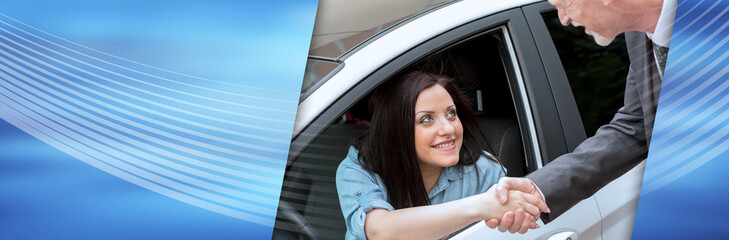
pixel 359 192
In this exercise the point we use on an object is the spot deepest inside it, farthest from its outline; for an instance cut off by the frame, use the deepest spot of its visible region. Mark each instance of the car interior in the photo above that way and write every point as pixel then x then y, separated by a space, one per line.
pixel 309 206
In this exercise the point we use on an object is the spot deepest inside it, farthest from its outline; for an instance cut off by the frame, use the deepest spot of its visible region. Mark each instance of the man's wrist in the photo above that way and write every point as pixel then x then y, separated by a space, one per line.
pixel 538 190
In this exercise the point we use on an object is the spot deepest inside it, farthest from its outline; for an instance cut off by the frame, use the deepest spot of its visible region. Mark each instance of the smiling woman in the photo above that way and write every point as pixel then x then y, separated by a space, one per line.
pixel 438 133
pixel 419 172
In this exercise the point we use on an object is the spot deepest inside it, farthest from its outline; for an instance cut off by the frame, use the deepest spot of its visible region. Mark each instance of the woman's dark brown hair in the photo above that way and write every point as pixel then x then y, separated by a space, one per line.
pixel 388 147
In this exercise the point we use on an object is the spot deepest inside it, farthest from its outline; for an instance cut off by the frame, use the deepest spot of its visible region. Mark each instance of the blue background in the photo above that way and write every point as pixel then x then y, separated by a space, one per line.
pixel 253 48
pixel 684 186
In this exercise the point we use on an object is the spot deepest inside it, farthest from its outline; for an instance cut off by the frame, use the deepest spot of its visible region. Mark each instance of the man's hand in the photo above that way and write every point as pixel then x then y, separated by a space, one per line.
pixel 516 221
pixel 525 185
pixel 510 222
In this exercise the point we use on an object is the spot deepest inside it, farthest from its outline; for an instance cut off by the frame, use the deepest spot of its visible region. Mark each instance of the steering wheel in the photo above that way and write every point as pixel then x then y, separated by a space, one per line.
pixel 295 225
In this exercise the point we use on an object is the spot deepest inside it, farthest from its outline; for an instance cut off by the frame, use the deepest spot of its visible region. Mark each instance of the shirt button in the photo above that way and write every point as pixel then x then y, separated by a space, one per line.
pixel 358 193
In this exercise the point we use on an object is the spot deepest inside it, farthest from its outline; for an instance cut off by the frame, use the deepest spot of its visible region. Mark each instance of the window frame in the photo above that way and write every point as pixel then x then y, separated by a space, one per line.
pixel 559 84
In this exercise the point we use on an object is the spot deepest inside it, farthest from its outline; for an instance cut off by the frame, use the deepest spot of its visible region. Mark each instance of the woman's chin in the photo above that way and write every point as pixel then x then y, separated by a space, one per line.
pixel 450 161
pixel 441 159
pixel 451 158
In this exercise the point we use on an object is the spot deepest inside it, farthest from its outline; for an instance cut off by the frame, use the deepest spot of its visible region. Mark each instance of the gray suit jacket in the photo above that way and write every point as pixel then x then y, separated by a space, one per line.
pixel 616 147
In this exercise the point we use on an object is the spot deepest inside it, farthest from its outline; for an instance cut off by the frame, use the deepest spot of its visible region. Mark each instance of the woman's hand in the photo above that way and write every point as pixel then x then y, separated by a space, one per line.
pixel 507 222
pixel 435 221
pixel 525 207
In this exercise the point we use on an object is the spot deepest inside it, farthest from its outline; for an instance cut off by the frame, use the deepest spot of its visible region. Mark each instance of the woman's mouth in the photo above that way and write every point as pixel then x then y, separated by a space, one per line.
pixel 445 146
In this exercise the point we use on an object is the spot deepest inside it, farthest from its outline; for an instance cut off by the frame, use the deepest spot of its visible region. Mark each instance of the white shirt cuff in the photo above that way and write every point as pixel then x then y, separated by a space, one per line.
pixel 540 191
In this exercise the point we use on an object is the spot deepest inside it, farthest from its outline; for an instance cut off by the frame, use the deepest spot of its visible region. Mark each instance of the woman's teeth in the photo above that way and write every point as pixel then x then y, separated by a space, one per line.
pixel 442 145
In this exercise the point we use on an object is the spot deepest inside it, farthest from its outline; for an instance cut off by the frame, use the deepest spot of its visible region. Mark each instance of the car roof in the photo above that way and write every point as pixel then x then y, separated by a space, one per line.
pixel 342 27
pixel 343 24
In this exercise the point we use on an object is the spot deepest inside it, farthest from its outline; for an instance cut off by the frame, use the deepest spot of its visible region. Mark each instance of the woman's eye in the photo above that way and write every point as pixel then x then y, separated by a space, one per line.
pixel 451 113
pixel 426 119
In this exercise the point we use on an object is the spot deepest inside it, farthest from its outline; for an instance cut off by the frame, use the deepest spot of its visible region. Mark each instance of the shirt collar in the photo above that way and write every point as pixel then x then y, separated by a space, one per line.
pixel 454 172
pixel 448 175
pixel 664 27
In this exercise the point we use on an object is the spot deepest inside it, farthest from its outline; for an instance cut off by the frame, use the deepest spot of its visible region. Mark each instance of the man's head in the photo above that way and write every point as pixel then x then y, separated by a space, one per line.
pixel 605 19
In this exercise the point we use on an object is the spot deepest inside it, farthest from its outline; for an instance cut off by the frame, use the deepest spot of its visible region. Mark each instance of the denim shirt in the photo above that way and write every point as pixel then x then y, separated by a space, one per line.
pixel 360 191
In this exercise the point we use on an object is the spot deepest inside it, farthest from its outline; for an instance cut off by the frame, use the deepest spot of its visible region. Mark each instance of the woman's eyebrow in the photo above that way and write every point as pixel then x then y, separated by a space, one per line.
pixel 451 106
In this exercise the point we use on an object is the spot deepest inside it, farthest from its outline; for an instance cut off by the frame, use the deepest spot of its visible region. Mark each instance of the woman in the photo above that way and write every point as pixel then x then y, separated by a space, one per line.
pixel 419 173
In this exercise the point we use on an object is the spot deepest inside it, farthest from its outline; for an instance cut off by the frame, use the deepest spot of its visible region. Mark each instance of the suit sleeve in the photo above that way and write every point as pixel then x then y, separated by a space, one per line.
pixel 615 149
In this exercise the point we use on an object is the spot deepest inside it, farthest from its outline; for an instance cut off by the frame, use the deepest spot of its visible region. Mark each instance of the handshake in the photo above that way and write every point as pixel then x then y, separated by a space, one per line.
pixel 513 204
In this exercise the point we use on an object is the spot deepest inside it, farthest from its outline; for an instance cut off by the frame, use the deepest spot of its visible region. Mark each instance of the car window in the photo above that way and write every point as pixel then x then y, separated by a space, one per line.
pixel 596 74
pixel 315 71
pixel 480 65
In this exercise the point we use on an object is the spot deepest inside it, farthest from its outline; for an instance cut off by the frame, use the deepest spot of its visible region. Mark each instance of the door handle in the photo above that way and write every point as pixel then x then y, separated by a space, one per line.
pixel 566 235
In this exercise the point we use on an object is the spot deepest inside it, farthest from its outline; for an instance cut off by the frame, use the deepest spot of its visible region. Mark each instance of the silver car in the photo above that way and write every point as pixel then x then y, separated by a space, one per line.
pixel 539 90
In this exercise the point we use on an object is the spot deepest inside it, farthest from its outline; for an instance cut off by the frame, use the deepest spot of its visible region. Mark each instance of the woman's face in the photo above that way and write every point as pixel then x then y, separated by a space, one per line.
pixel 438 131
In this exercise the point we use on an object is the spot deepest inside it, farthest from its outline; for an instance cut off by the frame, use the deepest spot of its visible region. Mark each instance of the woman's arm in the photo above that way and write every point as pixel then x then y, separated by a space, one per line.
pixel 436 221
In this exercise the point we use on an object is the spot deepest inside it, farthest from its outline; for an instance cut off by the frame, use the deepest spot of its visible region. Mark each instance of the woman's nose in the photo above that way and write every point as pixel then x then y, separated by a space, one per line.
pixel 446 128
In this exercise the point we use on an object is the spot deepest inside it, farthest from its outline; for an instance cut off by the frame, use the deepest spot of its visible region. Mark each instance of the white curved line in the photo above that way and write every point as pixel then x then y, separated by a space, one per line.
pixel 130 61
pixel 146 119
pixel 668 132
pixel 697 120
pixel 129 177
pixel 125 85
pixel 704 26
pixel 84 136
pixel 697 162
pixel 696 60
pixel 128 95
pixel 135 124
pixel 143 82
pixel 181 120
pixel 683 98
pixel 69 139
pixel 687 12
pixel 668 161
pixel 109 125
